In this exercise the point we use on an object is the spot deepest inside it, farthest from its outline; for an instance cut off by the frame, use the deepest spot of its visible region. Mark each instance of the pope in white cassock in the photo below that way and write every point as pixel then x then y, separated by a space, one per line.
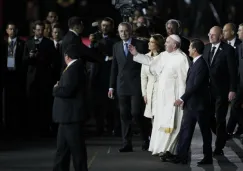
pixel 170 67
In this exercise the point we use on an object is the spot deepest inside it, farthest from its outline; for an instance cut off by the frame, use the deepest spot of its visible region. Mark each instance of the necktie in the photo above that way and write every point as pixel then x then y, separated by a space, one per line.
pixel 211 55
pixel 126 48
pixel 11 47
pixel 229 43
pixel 57 46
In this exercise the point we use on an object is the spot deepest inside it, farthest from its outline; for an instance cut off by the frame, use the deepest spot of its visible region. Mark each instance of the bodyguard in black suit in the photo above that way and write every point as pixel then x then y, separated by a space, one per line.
pixel 196 101
pixel 125 81
pixel 69 112
pixel 73 37
pixel 40 59
pixel 229 32
pixel 221 60
pixel 14 79
pixel 99 78
pixel 236 107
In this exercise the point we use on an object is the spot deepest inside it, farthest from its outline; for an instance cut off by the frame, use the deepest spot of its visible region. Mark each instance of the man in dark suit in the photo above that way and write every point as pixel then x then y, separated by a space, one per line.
pixel 69 112
pixel 174 27
pixel 229 32
pixel 41 59
pixel 73 37
pixel 14 79
pixel 125 81
pixel 195 101
pixel 221 60
pixel 105 108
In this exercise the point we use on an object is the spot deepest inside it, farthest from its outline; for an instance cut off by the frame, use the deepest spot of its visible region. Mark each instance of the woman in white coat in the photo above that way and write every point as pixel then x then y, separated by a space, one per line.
pixel 148 81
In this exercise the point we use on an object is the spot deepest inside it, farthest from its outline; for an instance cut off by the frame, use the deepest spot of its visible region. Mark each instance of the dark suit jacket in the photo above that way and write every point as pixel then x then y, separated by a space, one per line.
pixel 18 58
pixel 237 42
pixel 196 96
pixel 223 70
pixel 125 73
pixel 69 102
pixel 86 53
pixel 40 69
pixel 185 43
pixel 240 67
pixel 100 72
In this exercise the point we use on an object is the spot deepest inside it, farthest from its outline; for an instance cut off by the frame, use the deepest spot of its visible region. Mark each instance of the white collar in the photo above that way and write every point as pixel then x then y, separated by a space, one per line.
pixel 216 45
pixel 71 62
pixel 14 39
pixel 128 41
pixel 232 42
pixel 55 42
pixel 196 58
pixel 40 39
pixel 74 32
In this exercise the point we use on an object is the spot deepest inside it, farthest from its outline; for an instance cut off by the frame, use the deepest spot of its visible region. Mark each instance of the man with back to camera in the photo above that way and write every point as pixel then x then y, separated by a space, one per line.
pixel 69 112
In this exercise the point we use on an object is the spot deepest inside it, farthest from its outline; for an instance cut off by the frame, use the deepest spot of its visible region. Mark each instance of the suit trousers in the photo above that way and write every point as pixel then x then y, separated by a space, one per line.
pixel 236 114
pixel 218 111
pixel 190 118
pixel 131 108
pixel 70 141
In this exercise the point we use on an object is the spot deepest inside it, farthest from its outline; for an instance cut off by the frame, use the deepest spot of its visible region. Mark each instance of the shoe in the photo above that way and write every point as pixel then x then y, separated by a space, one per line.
pixel 126 149
pixel 218 152
pixel 178 160
pixel 205 160
pixel 145 146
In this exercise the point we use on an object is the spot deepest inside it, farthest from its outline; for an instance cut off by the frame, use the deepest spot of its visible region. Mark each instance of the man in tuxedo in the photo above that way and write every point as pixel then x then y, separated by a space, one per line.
pixel 237 107
pixel 41 61
pixel 73 37
pixel 125 81
pixel 69 112
pixel 105 108
pixel 221 60
pixel 14 79
pixel 195 101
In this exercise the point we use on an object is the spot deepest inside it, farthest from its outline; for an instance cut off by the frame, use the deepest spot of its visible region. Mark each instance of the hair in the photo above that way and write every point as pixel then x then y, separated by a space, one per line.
pixel 198 45
pixel 73 51
pixel 47 22
pixel 142 32
pixel 159 41
pixel 38 22
pixel 233 27
pixel 74 21
pixel 128 25
pixel 10 23
pixel 56 26
pixel 175 24
pixel 108 19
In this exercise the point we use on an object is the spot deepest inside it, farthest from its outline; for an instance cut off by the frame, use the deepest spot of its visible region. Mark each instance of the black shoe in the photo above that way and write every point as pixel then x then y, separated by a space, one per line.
pixel 205 160
pixel 178 160
pixel 218 152
pixel 126 149
pixel 145 146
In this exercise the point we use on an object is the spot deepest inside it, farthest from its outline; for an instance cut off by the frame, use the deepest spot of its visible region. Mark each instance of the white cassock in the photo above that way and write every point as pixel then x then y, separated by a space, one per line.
pixel 171 70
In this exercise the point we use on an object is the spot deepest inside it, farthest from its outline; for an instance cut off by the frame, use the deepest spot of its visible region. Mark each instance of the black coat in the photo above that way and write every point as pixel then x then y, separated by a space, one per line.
pixel 223 70
pixel 69 102
pixel 196 96
pixel 125 73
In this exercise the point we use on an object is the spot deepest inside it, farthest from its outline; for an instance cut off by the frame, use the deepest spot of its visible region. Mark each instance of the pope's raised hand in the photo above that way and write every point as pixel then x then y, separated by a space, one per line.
pixel 132 50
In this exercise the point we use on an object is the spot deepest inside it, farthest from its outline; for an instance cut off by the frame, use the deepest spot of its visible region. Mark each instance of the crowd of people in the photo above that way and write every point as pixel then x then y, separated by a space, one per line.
pixel 165 84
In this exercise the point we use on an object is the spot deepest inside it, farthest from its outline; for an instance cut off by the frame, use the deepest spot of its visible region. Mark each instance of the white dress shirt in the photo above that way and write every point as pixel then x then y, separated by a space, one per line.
pixel 196 58
pixel 232 42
